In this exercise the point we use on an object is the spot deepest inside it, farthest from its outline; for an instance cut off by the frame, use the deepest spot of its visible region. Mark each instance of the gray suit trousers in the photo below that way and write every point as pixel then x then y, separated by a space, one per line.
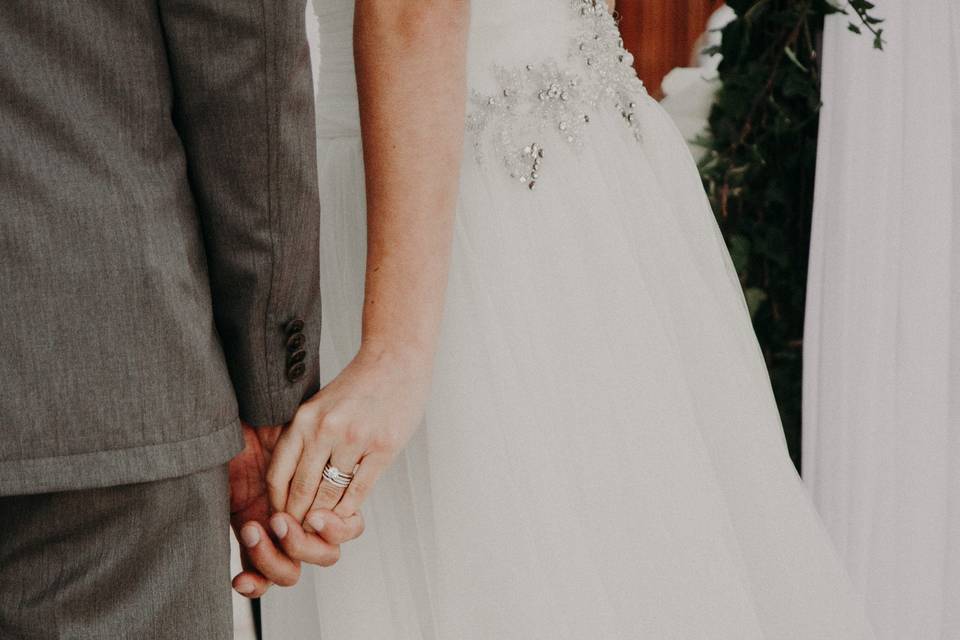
pixel 141 561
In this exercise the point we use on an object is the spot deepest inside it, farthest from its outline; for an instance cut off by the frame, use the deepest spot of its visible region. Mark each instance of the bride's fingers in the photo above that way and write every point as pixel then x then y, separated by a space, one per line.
pixel 306 480
pixel 333 528
pixel 363 481
pixel 300 545
pixel 329 493
pixel 283 464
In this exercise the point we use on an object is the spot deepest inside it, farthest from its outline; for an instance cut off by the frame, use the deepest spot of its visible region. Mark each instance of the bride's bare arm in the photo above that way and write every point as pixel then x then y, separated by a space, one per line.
pixel 410 73
pixel 410 59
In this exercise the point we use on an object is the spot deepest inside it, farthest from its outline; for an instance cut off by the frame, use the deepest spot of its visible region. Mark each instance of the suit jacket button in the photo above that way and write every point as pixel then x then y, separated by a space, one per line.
pixel 296 371
pixel 295 342
pixel 296 356
pixel 294 326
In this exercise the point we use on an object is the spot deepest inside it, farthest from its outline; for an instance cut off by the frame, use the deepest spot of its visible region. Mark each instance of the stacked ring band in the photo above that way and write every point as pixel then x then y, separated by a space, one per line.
pixel 336 477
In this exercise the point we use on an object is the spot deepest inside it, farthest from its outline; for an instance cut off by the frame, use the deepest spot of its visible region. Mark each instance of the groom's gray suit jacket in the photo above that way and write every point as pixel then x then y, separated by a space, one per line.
pixel 159 225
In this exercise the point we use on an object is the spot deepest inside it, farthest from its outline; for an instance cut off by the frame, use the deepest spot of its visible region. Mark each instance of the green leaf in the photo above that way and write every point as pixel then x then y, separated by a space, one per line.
pixel 854 28
pixel 755 298
pixel 793 58
pixel 740 6
pixel 755 10
pixel 824 7
pixel 739 252
pixel 878 40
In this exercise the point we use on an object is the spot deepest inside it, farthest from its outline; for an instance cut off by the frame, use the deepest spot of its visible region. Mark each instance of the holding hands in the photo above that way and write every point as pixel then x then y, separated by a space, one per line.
pixel 275 559
pixel 357 424
pixel 409 57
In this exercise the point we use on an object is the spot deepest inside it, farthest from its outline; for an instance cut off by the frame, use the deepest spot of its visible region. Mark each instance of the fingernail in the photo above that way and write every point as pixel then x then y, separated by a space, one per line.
pixel 244 587
pixel 315 520
pixel 250 535
pixel 279 526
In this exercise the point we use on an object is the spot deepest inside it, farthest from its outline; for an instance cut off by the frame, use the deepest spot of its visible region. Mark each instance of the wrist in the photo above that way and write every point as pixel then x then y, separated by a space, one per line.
pixel 408 354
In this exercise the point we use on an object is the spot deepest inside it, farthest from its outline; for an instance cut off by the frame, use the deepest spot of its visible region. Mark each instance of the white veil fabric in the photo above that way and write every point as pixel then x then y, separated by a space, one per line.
pixel 881 449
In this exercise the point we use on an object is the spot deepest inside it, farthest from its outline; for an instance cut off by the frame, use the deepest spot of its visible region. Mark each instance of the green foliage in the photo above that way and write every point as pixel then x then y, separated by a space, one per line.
pixel 759 169
pixel 862 10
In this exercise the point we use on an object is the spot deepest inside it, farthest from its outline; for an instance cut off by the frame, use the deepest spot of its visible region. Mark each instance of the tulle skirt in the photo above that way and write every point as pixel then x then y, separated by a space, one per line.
pixel 601 455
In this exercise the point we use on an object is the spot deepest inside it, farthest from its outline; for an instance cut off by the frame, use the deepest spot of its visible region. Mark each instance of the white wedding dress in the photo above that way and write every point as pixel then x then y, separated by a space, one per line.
pixel 601 455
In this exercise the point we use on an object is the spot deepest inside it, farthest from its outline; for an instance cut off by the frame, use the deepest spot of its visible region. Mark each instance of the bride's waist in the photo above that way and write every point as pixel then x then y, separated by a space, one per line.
pixel 523 37
pixel 490 51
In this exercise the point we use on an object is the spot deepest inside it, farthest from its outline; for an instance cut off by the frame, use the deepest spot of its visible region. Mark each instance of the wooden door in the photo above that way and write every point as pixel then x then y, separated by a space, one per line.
pixel 661 34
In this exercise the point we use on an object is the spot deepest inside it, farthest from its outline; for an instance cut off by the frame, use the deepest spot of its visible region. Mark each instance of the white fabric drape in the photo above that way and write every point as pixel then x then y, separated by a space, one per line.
pixel 881 450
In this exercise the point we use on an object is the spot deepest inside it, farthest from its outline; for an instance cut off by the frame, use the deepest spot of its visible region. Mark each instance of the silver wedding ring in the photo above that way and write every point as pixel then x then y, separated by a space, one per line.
pixel 336 477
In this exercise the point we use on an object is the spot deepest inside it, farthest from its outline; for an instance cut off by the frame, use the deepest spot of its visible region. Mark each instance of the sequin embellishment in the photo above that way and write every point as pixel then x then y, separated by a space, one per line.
pixel 536 99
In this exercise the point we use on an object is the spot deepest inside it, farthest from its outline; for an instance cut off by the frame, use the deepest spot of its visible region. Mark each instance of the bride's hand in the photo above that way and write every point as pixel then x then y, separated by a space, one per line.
pixel 358 422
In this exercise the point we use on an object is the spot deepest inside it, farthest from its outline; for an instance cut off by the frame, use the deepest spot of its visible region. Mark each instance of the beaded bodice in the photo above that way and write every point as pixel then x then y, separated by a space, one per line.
pixel 539 72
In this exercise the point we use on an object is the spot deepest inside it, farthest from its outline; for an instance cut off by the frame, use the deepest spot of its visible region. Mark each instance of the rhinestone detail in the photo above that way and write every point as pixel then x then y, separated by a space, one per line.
pixel 547 100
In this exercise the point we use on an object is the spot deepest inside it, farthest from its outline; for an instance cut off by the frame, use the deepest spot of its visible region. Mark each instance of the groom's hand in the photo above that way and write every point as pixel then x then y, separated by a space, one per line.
pixel 263 562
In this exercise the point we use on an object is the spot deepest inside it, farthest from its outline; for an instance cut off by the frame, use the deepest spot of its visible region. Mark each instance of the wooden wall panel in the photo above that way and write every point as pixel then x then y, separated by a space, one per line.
pixel 661 34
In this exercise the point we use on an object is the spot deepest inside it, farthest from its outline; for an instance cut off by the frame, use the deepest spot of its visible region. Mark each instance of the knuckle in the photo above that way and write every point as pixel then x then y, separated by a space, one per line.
pixel 333 422
pixel 328 491
pixel 311 437
pixel 354 435
pixel 301 488
pixel 275 481
pixel 310 412
pixel 386 441
pixel 344 508
pixel 358 489
pixel 293 547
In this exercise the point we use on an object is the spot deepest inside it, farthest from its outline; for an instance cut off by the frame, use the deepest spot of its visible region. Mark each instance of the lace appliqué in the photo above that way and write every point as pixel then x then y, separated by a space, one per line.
pixel 539 98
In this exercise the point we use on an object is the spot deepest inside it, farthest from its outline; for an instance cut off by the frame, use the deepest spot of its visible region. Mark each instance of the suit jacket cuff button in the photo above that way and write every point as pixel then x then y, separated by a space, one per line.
pixel 295 371
pixel 295 342
pixel 294 326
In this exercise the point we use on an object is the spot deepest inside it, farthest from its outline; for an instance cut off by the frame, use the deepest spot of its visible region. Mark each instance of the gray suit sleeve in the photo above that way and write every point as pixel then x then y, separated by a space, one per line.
pixel 243 106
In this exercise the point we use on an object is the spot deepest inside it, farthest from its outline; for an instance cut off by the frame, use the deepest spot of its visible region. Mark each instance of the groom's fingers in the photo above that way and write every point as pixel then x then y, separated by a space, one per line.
pixel 272 563
pixel 250 584
pixel 300 545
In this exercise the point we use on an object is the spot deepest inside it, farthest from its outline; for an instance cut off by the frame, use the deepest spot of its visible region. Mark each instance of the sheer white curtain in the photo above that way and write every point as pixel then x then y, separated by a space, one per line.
pixel 881 448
